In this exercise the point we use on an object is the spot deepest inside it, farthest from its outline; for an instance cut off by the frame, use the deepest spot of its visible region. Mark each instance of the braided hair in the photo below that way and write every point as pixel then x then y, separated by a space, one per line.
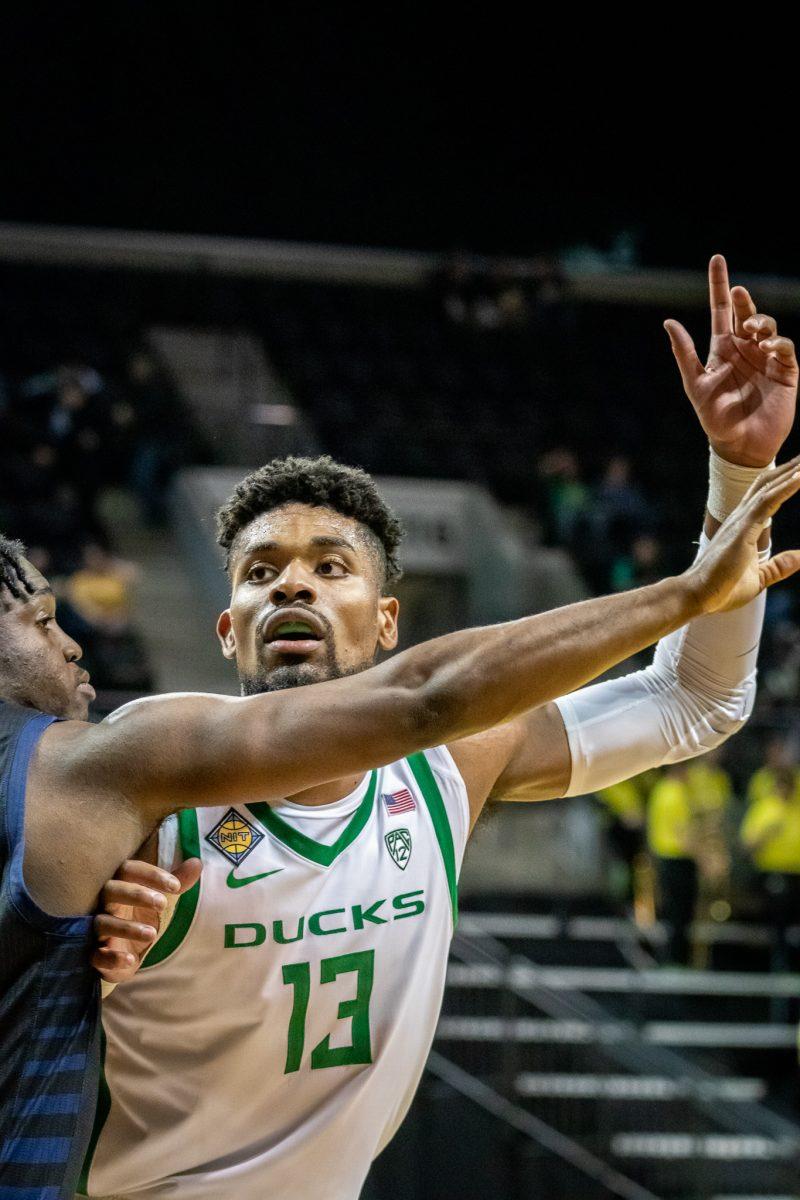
pixel 12 570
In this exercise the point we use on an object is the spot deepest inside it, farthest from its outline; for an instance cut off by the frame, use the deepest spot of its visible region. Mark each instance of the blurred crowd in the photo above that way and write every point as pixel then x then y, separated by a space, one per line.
pixel 609 524
pixel 699 842
pixel 68 434
pixel 613 526
pixel 495 295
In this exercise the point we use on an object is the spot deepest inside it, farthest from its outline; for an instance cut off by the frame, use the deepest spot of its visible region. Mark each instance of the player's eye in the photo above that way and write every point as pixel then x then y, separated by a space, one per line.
pixel 258 573
pixel 332 567
pixel 44 621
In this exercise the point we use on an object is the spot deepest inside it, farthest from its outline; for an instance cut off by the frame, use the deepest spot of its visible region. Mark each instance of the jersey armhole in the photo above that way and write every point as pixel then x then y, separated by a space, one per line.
pixel 426 781
pixel 183 914
pixel 448 765
pixel 18 892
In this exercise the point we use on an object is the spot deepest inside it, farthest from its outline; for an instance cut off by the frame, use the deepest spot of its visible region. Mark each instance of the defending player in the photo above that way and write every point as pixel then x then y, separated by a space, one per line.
pixel 276 1034
pixel 76 799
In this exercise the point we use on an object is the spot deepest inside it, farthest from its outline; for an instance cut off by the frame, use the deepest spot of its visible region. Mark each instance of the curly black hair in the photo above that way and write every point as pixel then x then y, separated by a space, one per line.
pixel 12 569
pixel 317 482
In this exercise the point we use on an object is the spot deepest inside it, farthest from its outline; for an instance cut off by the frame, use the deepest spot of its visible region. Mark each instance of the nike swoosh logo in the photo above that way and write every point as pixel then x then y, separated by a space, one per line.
pixel 235 881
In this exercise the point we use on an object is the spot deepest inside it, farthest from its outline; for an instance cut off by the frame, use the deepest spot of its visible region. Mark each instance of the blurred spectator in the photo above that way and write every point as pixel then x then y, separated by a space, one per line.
pixel 100 590
pixel 607 527
pixel 484 296
pixel 669 839
pixel 711 800
pixel 567 497
pixel 161 437
pixel 454 284
pixel 47 383
pixel 770 834
pixel 96 611
pixel 625 808
pixel 619 509
pixel 780 663
pixel 640 565
pixel 779 756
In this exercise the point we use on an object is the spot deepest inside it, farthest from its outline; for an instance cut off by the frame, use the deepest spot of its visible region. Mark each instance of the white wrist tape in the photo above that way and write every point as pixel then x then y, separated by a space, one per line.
pixel 727 484
pixel 699 689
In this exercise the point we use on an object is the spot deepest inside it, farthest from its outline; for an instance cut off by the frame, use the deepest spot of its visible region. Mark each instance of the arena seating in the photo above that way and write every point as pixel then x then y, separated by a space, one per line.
pixel 83 410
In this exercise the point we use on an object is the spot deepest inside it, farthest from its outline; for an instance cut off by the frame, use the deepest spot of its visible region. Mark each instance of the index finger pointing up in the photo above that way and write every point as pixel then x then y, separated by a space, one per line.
pixel 719 294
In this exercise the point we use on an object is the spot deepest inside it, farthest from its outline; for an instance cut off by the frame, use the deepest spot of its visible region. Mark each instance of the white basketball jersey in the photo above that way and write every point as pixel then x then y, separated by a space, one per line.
pixel 272 1042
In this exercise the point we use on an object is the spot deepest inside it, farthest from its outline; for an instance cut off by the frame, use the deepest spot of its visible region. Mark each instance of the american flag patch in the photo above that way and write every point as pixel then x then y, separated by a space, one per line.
pixel 399 802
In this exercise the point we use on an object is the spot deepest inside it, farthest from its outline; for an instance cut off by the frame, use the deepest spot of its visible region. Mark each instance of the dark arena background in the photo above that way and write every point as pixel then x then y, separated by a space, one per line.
pixel 225 238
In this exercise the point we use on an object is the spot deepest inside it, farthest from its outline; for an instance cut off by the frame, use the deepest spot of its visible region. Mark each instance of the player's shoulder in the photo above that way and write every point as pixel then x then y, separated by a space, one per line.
pixel 147 705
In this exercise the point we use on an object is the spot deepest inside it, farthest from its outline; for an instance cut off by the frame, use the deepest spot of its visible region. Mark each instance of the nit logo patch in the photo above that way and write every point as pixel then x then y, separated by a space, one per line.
pixel 234 837
pixel 398 843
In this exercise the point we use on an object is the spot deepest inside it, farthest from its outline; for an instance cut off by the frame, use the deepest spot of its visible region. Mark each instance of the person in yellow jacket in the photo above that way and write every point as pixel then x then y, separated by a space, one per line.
pixel 624 805
pixel 779 756
pixel 770 834
pixel 670 839
pixel 711 794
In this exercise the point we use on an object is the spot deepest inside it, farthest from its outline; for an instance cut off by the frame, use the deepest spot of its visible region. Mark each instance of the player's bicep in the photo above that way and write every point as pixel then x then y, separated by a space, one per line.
pixel 524 759
pixel 155 755
pixel 539 765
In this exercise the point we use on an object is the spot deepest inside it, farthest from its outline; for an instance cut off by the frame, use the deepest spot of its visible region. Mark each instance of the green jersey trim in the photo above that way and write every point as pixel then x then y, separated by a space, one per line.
pixel 426 781
pixel 187 903
pixel 100 1118
pixel 307 847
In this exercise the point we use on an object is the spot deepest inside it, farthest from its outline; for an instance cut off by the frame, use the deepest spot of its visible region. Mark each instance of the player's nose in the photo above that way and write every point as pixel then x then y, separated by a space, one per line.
pixel 294 584
pixel 73 652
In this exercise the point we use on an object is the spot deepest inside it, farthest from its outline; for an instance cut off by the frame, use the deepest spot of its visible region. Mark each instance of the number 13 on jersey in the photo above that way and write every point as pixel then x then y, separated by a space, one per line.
pixel 298 976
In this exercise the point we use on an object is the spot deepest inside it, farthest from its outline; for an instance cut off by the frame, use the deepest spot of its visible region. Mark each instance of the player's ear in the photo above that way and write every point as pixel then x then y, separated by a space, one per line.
pixel 225 634
pixel 388 613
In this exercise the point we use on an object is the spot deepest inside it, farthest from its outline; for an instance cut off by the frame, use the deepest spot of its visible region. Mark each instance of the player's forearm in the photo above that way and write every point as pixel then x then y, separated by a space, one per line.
pixel 482 677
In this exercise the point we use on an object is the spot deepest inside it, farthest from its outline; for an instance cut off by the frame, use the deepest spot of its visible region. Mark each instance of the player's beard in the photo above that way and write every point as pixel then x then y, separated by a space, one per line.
pixel 298 674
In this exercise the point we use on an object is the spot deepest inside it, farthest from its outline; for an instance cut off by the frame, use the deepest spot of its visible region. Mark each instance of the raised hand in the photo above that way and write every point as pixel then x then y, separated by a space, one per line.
pixel 729 574
pixel 746 394
pixel 132 905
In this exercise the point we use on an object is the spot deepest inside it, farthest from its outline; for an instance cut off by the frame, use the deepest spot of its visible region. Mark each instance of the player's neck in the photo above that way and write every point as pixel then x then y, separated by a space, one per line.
pixel 327 793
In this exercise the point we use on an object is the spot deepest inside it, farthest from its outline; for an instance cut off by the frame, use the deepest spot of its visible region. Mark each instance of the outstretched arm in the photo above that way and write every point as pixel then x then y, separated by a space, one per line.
pixel 180 751
pixel 119 779
pixel 701 685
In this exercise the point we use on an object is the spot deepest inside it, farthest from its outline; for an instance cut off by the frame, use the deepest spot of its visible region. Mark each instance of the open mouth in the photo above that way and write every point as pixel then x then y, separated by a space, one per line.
pixel 290 634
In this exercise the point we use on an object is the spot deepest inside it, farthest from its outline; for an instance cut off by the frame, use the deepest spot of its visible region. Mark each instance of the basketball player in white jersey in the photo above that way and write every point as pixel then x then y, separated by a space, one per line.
pixel 275 1035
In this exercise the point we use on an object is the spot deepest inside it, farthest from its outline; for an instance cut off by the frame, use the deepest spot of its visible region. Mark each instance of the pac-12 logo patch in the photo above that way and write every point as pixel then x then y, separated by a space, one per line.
pixel 234 836
pixel 398 843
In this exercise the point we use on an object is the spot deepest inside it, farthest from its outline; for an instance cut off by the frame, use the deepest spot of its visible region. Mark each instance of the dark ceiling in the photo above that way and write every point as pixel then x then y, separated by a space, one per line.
pixel 240 119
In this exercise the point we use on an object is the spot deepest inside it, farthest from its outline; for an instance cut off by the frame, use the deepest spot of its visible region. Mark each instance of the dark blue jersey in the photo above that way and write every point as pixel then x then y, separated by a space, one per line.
pixel 49 1005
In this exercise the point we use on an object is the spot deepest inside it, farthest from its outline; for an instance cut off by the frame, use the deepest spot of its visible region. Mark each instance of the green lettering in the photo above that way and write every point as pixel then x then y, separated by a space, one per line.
pixel 298 976
pixel 360 915
pixel 315 922
pixel 232 940
pixel 279 936
pixel 362 964
pixel 406 906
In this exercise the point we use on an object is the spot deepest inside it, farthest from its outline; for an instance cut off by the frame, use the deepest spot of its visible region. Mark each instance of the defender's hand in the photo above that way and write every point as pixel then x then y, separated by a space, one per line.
pixel 746 394
pixel 729 575
pixel 132 904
